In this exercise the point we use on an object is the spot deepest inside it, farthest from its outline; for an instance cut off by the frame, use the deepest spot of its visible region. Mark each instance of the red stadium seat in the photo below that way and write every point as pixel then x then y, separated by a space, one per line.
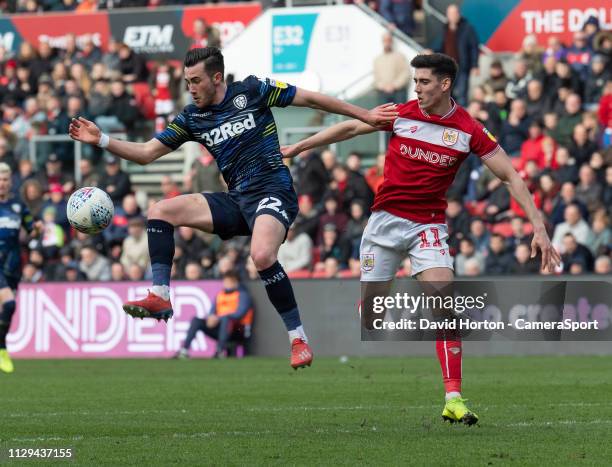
pixel 318 274
pixel 503 228
pixel 476 208
pixel 316 255
pixel 347 274
pixel 299 274
pixel 144 99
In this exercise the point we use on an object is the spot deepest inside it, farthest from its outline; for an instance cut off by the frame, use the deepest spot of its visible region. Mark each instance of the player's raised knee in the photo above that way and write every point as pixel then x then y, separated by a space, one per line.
pixel 263 259
pixel 161 210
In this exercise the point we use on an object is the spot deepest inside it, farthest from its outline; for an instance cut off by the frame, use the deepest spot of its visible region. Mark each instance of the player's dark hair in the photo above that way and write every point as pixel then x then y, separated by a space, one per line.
pixel 440 65
pixel 210 56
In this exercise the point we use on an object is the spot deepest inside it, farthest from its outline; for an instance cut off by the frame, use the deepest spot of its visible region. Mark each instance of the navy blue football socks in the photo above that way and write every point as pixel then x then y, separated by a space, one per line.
pixel 6 316
pixel 161 250
pixel 281 295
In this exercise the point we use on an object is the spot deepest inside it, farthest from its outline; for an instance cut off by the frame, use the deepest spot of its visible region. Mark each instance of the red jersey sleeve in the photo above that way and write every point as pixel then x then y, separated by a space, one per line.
pixel 401 110
pixel 483 143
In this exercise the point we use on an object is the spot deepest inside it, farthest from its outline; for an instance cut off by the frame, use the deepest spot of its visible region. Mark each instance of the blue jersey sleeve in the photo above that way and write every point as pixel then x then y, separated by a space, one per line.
pixel 273 93
pixel 176 133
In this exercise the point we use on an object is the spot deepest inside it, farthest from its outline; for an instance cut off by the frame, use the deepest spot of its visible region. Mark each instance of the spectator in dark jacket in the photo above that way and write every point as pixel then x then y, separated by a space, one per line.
pixel 90 54
pixel 579 54
pixel 575 252
pixel 566 196
pixel 596 80
pixel 132 66
pixel 312 176
pixel 536 100
pixel 114 181
pixel 332 215
pixel 191 244
pixel 566 170
pixel 354 228
pixel 498 260
pixel 515 130
pixel 518 236
pixel 458 221
pixel 351 186
pixel 118 230
pixel 123 105
pixel 43 63
pixel 581 147
pixel 57 124
pixel 459 40
pixel 307 220
pixel 399 13
pixel 100 99
pixel 523 262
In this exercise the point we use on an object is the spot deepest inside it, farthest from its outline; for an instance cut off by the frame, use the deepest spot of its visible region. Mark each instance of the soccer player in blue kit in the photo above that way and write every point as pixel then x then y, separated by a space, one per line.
pixel 14 215
pixel 237 127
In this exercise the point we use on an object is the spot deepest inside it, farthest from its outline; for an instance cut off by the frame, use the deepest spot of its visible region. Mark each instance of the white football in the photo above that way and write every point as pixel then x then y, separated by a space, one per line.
pixel 90 210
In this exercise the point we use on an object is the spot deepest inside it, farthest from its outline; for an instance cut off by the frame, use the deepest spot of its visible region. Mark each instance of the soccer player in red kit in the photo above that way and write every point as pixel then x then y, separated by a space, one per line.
pixel 432 136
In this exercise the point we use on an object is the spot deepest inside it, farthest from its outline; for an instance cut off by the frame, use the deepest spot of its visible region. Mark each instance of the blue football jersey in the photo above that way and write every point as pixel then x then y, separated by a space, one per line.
pixel 13 215
pixel 240 133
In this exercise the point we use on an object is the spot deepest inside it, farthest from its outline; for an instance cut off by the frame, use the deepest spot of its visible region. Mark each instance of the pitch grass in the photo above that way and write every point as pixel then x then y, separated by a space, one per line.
pixel 257 411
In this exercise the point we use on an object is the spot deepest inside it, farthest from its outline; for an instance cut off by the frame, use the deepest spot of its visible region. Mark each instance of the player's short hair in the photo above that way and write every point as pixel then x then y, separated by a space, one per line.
pixel 441 65
pixel 210 56
pixel 5 169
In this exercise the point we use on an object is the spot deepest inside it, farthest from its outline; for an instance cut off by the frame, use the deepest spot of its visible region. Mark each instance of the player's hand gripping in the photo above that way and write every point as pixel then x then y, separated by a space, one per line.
pixel 550 257
pixel 382 115
pixel 84 131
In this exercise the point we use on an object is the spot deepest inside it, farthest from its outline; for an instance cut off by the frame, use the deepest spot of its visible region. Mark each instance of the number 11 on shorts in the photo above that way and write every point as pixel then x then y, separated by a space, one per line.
pixel 436 237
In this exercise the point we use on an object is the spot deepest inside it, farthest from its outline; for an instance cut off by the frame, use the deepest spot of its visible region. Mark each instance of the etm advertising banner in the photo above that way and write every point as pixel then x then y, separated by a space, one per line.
pixel 163 33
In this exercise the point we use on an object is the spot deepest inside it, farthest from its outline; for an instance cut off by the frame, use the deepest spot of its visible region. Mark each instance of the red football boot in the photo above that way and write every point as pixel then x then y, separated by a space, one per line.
pixel 301 354
pixel 153 306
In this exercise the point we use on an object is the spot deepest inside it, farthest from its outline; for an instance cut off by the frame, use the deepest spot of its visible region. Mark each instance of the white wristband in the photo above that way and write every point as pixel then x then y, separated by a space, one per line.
pixel 104 140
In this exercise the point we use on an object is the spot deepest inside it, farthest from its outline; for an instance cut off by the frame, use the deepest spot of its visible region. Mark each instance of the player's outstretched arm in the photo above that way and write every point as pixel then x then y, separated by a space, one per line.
pixel 333 134
pixel 86 131
pixel 501 166
pixel 378 117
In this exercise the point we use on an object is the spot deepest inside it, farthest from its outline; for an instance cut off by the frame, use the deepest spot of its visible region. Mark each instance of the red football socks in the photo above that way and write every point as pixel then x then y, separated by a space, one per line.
pixel 448 348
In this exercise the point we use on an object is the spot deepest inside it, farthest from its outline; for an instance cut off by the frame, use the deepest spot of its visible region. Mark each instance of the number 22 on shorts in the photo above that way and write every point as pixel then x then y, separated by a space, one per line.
pixel 272 203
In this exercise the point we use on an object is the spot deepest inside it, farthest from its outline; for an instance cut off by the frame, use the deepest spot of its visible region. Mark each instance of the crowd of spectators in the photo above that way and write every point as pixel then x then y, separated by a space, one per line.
pixel 85 6
pixel 551 109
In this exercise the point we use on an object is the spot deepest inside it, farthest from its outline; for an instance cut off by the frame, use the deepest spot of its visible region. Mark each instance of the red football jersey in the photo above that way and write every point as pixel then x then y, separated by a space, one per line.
pixel 423 156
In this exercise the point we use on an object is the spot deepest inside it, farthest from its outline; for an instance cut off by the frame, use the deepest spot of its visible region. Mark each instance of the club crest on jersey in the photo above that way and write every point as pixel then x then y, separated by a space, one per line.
pixel 450 136
pixel 16 207
pixel 367 261
pixel 490 135
pixel 240 101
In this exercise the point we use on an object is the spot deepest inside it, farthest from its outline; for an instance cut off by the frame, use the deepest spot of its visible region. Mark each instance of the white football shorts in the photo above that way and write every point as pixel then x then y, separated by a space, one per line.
pixel 388 239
